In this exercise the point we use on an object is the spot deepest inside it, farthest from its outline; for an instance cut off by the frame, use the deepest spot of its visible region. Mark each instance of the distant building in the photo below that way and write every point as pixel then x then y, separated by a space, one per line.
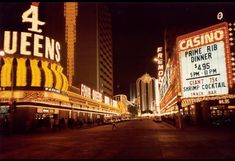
pixel 147 92
pixel 123 103
pixel 132 92
pixel 94 63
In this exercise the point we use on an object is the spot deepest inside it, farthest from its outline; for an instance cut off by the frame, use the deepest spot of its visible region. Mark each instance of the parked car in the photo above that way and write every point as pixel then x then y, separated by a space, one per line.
pixel 157 119
pixel 221 121
pixel 108 121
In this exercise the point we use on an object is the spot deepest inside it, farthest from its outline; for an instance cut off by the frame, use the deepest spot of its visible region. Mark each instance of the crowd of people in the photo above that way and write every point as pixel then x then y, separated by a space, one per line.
pixel 49 123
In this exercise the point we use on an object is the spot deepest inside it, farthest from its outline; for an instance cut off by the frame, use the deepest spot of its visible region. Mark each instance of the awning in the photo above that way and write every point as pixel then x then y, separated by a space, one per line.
pixel 190 101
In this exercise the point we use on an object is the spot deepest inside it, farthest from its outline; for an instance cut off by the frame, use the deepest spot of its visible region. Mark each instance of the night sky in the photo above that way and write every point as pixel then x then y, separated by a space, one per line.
pixel 138 30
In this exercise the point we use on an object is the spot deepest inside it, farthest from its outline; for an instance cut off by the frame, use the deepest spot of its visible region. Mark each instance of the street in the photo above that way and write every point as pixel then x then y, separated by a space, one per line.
pixel 137 139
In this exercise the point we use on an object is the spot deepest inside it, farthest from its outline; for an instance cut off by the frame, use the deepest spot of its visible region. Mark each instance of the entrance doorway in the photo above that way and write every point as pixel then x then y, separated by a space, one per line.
pixel 222 115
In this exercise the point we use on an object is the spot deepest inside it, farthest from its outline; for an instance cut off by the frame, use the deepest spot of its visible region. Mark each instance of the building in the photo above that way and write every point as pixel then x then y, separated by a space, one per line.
pixel 32 78
pixel 133 92
pixel 122 101
pixel 199 86
pixel 94 60
pixel 147 89
pixel 34 89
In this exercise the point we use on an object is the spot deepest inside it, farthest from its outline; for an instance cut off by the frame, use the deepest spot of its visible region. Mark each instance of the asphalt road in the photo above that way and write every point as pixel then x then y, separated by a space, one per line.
pixel 132 140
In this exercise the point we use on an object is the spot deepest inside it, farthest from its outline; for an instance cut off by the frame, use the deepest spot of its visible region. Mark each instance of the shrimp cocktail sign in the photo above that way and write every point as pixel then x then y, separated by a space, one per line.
pixel 31 43
pixel 203 64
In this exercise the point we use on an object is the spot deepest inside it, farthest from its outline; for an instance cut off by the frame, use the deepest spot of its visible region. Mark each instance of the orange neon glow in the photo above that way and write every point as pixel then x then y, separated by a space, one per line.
pixel 35 3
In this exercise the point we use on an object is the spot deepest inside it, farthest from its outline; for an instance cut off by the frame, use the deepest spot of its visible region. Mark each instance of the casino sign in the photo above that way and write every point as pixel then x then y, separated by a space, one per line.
pixel 30 68
pixel 205 62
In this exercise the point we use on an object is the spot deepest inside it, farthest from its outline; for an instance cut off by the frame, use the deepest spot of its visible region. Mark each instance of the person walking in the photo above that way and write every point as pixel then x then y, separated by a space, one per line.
pixel 114 126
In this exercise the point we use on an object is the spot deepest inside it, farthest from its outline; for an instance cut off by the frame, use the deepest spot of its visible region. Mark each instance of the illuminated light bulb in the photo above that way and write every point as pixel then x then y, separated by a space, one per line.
pixel 234 24
pixel 231 44
pixel 232 53
pixel 233 64
pixel 230 34
pixel 230 29
pixel 230 39
pixel 2 53
pixel 230 24
pixel 232 59
pixel 233 74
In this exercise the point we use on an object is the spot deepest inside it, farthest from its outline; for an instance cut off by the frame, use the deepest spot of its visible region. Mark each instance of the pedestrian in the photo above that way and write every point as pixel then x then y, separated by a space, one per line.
pixel 52 122
pixel 6 125
pixel 114 126
pixel 56 124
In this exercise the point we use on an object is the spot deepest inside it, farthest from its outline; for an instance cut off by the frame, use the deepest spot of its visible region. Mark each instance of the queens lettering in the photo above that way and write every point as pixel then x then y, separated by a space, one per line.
pixel 31 45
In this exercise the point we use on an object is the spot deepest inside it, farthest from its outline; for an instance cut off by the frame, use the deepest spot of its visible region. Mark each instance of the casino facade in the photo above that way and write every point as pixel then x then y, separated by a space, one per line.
pixel 200 86
pixel 33 85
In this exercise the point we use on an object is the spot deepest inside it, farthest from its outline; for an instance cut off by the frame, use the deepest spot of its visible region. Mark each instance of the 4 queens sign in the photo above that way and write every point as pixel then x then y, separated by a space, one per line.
pixel 205 61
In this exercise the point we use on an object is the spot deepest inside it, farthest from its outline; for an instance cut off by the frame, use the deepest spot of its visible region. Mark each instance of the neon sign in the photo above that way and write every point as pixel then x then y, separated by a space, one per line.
pixel 160 67
pixel 203 61
pixel 31 44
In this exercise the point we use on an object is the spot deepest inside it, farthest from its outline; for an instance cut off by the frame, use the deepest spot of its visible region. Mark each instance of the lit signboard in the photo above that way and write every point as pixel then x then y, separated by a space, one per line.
pixel 107 100
pixel 96 95
pixel 115 103
pixel 203 61
pixel 165 81
pixel 31 43
pixel 160 65
pixel 32 52
pixel 85 91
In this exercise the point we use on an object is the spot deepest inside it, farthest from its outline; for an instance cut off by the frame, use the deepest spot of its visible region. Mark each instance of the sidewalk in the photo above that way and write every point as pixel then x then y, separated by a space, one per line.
pixel 47 130
pixel 168 124
pixel 209 128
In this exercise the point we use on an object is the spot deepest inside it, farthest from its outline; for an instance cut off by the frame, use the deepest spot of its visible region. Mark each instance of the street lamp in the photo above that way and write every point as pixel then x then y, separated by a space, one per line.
pixel 180 110
pixel 2 52
pixel 155 59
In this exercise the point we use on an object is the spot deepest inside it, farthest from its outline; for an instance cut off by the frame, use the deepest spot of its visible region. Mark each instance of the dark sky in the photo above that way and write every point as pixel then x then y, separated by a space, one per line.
pixel 11 20
pixel 138 30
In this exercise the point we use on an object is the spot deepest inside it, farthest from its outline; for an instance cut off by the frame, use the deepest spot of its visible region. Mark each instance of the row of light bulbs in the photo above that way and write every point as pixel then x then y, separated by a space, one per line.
pixel 231 29
pixel 231 39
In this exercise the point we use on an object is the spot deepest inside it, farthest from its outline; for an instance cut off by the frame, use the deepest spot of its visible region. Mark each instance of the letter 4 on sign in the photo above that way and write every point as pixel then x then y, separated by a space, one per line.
pixel 33 10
